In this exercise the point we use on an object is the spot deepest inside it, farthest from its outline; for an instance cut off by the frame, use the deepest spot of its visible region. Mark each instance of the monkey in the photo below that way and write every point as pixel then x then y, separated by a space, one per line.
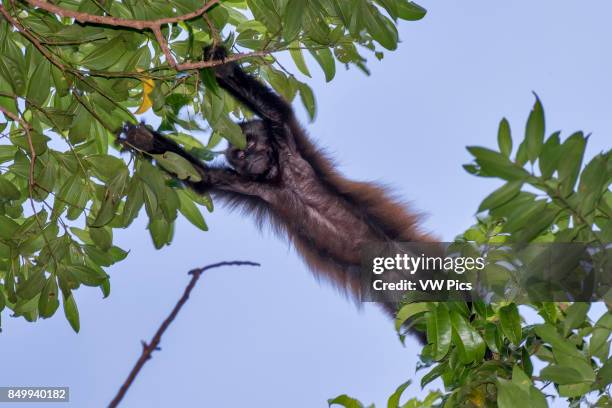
pixel 285 180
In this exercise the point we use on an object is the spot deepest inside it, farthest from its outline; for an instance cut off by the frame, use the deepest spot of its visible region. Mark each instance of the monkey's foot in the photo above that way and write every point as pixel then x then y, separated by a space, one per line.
pixel 219 53
pixel 215 53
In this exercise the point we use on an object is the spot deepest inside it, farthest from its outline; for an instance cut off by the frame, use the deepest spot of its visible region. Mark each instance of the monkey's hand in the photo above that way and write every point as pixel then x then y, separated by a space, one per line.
pixel 219 53
pixel 143 139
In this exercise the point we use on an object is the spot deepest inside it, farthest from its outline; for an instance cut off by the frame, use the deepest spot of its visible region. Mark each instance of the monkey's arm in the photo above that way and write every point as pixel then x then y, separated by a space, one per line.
pixel 141 138
pixel 255 95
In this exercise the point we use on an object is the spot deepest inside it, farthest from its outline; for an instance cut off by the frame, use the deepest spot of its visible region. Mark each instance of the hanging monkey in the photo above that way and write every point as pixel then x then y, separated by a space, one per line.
pixel 283 179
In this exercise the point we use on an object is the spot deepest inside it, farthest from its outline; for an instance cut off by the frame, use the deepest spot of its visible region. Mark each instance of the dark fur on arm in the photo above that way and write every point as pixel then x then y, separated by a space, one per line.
pixel 255 95
pixel 145 139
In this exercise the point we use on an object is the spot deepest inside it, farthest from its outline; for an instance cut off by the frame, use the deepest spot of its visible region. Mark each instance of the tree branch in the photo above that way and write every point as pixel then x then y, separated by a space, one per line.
pixel 31 38
pixel 117 21
pixel 153 25
pixel 148 349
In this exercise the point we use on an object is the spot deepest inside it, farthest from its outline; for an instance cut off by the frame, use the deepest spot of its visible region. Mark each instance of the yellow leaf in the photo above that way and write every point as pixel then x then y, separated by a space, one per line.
pixel 147 88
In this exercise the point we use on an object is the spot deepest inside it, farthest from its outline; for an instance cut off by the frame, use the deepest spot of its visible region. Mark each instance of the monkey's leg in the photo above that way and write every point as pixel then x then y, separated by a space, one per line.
pixel 254 94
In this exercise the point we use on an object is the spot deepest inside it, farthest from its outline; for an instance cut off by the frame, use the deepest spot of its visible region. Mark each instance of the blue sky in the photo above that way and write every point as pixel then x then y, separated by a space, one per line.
pixel 273 336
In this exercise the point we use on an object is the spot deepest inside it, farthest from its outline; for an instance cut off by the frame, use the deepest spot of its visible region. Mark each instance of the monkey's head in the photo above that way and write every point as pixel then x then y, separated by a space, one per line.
pixel 257 159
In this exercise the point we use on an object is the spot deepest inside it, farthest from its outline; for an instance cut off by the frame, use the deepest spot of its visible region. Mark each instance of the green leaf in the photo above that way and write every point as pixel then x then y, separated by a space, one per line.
pixel 394 399
pixel 604 376
pixel 408 10
pixel 14 73
pixel 510 395
pixel 298 58
pixel 32 286
pixel 572 152
pixel 390 6
pixel 549 158
pixel 575 316
pixel 501 196
pixel 7 227
pixel 39 141
pixel 439 331
pixel 86 275
pixel 492 337
pixel 39 84
pixel 161 232
pixel 510 322
pixel 265 12
pixel 504 138
pixel 102 237
pixel 134 201
pixel 190 211
pixel 534 131
pixel 7 153
pixel 408 311
pixel 567 356
pixel 107 211
pixel 495 164
pixel 80 128
pixel 49 298
pixel 561 375
pixel 308 100
pixel 594 180
pixel 8 191
pixel 292 18
pixel 537 224
pixel 59 81
pixel 380 27
pixel 523 213
pixel 599 344
pixel 470 345
pixel 106 167
pixel 178 165
pixel 106 54
pixel 345 401
pixel 327 62
pixel 525 386
pixel 521 154
pixel 71 312
pixel 230 131
pixel 434 373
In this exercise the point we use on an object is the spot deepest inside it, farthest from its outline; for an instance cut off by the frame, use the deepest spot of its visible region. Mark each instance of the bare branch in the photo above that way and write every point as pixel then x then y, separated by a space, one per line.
pixel 14 117
pixel 148 349
pixel 164 46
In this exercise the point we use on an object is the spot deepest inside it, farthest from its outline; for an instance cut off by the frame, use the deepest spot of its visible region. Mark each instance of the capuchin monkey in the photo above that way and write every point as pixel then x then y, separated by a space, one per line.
pixel 284 180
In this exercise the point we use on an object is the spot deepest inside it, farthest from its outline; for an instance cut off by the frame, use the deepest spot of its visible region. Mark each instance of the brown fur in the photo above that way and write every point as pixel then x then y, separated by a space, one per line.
pixel 285 181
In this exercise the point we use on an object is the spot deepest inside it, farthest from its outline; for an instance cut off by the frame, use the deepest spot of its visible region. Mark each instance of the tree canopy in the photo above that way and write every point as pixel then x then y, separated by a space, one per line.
pixel 73 72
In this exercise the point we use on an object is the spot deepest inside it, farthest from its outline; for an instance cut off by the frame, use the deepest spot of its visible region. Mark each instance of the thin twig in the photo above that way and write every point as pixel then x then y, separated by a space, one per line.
pixel 148 349
pixel 214 33
pixel 31 182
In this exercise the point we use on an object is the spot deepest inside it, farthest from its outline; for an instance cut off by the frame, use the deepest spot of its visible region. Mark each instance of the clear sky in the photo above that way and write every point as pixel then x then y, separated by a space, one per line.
pixel 273 336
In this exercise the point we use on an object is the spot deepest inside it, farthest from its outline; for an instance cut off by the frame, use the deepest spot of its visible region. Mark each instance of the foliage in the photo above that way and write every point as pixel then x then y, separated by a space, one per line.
pixel 65 88
pixel 484 353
